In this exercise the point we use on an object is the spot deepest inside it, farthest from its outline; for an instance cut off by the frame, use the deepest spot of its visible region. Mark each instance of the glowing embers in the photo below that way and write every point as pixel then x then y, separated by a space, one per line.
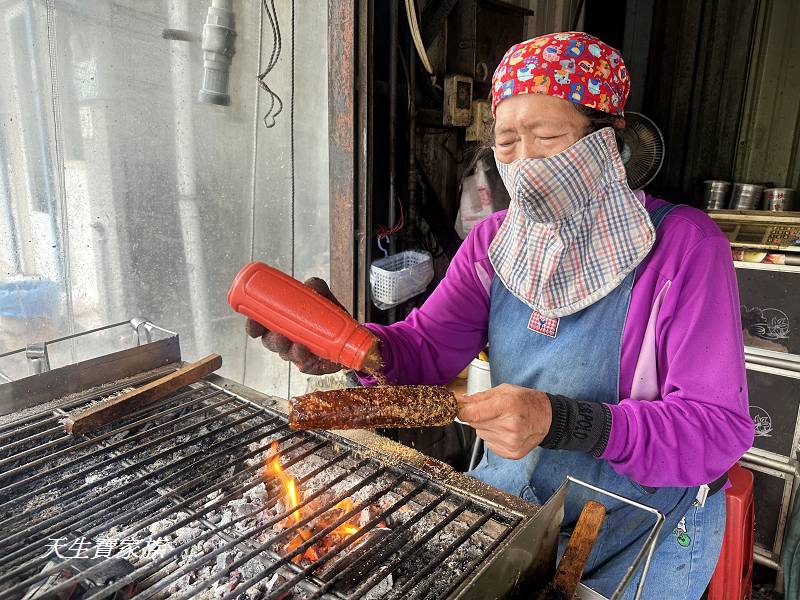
pixel 343 517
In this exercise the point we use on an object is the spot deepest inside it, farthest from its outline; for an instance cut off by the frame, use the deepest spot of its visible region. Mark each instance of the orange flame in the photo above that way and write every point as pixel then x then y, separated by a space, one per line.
pixel 273 467
pixel 289 484
pixel 345 529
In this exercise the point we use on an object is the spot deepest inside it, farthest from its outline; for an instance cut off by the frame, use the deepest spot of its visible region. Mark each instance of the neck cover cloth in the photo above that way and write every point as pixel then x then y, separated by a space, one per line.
pixel 574 228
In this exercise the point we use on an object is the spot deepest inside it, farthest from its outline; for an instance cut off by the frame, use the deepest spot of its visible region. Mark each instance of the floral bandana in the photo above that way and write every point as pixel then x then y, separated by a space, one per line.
pixel 571 65
pixel 574 229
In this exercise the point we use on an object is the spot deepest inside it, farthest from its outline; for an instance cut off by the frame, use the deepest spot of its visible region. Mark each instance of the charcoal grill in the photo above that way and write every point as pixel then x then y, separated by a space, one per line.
pixel 173 501
pixel 176 499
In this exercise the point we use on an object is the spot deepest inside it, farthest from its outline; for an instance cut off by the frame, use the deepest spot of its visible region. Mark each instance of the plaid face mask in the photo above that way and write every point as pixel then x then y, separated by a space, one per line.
pixel 574 229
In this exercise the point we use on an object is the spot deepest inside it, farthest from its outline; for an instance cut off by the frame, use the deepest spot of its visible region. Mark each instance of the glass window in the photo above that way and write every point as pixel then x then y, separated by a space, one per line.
pixel 122 195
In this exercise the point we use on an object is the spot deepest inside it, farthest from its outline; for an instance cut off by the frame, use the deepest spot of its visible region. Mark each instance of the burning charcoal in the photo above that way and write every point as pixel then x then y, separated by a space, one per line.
pixel 185 534
pixel 276 578
pixel 226 559
pixel 349 557
pixel 112 570
pixel 161 550
pixel 254 593
pixel 251 568
pixel 380 590
pixel 258 494
pixel 239 507
pixel 179 585
pixel 158 526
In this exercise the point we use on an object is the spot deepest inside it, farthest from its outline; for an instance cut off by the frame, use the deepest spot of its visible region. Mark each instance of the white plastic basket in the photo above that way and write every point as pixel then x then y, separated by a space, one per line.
pixel 397 278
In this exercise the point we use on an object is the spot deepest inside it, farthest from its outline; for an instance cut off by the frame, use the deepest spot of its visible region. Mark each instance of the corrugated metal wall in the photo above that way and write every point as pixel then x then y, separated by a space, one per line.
pixel 767 147
pixel 695 88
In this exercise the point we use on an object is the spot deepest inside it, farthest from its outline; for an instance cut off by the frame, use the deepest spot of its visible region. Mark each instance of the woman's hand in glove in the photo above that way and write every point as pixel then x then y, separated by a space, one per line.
pixel 298 354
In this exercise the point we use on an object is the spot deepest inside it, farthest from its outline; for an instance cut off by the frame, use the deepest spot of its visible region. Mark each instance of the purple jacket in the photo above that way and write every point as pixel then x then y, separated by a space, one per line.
pixel 682 350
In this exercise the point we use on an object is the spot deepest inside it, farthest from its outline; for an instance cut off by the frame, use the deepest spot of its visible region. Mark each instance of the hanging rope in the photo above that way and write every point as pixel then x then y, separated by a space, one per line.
pixel 276 104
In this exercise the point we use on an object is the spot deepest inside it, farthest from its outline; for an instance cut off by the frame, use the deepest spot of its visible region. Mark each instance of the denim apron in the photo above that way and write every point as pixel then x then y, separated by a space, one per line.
pixel 582 362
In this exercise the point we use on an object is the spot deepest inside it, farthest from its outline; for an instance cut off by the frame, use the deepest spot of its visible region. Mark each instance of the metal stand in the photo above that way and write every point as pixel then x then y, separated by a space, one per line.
pixel 477 453
pixel 645 552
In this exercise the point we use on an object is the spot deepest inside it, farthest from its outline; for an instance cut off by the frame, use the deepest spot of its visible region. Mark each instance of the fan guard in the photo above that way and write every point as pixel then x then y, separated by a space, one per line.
pixel 643 150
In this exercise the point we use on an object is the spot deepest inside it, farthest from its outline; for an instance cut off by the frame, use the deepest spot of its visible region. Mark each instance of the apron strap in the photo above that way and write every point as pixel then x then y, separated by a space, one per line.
pixel 657 215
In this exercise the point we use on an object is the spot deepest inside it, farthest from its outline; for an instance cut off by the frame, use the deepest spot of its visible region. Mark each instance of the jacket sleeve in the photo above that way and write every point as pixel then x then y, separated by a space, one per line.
pixel 435 342
pixel 701 424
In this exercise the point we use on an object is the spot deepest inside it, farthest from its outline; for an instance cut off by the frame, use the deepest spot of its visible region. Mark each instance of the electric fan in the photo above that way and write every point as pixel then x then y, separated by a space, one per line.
pixel 642 151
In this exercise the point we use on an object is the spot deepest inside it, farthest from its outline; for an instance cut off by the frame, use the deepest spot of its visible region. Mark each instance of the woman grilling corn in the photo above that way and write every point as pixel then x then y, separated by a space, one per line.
pixel 612 318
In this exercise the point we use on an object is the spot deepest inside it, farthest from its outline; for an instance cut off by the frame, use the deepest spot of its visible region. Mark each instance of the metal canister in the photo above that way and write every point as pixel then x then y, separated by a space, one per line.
pixel 779 199
pixel 715 194
pixel 746 196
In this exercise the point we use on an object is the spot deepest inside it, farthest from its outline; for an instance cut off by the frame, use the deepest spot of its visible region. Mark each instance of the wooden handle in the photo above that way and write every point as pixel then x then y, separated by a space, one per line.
pixel 111 409
pixel 578 548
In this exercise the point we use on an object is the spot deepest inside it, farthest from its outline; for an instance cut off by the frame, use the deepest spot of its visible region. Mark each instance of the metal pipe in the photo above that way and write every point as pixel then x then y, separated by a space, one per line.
pixel 408 550
pixel 69 337
pixel 765 560
pixel 389 546
pixel 789 468
pixel 206 584
pixel 776 362
pixel 182 505
pixel 63 465
pixel 102 497
pixel 392 119
pixel 412 141
pixel 443 555
pixel 219 35
pixel 186 172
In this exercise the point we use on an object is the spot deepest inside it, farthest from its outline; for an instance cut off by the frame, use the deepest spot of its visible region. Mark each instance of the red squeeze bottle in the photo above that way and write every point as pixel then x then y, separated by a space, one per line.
pixel 284 305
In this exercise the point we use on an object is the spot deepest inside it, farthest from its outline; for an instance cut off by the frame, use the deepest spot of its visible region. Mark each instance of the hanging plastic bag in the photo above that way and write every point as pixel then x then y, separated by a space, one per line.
pixel 482 193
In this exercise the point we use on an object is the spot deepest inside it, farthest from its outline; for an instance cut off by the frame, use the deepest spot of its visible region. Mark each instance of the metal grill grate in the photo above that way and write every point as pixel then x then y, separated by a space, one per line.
pixel 175 502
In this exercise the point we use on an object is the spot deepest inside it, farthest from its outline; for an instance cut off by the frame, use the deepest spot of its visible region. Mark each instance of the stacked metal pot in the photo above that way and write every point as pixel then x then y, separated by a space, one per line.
pixel 745 196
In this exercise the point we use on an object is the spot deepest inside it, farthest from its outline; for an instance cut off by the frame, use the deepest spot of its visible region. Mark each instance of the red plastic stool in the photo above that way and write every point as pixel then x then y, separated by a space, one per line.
pixel 733 577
